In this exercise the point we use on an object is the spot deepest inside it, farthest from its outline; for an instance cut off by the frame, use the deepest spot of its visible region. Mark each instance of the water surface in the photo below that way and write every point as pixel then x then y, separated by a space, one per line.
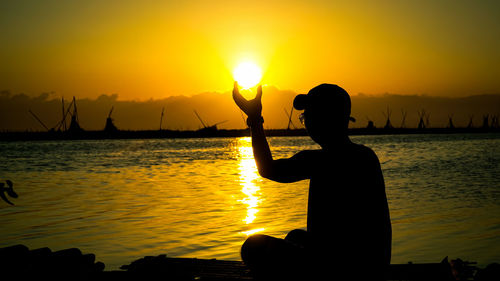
pixel 124 199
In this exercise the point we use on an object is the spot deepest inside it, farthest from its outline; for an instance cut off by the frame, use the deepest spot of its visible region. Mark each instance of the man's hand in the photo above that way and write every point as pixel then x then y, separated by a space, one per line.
pixel 253 107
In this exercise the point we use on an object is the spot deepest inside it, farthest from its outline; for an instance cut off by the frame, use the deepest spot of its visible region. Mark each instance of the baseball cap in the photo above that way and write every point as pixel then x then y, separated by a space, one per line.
pixel 325 95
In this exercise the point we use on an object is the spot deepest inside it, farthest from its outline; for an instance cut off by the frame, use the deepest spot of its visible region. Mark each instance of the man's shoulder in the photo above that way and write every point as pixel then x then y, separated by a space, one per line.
pixel 311 154
pixel 362 148
pixel 352 149
pixel 364 151
pixel 308 153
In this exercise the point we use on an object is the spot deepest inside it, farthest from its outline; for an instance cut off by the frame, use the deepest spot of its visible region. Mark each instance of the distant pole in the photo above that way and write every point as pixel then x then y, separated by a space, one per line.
pixel 63 115
pixel 111 111
pixel 38 119
pixel 199 118
pixel 161 118
pixel 286 113
pixel 63 121
pixel 450 121
pixel 388 124
pixel 289 116
pixel 470 125
pixel 421 123
pixel 75 113
pixel 403 119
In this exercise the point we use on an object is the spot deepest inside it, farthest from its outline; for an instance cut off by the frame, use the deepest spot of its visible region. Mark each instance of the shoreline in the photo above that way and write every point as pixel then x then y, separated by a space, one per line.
pixel 222 133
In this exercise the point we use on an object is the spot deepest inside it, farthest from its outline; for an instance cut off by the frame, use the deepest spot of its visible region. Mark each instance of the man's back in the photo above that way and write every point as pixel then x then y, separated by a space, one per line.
pixel 347 209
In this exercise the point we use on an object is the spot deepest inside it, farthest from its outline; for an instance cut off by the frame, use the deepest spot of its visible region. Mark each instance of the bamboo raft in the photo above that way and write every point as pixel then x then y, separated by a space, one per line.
pixel 71 264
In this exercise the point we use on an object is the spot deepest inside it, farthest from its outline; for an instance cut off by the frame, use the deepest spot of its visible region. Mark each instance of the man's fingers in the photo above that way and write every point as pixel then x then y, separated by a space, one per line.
pixel 235 87
pixel 259 93
pixel 238 98
pixel 236 91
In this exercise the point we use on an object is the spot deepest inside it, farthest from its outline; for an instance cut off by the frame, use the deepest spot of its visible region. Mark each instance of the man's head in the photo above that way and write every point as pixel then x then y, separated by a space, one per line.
pixel 327 111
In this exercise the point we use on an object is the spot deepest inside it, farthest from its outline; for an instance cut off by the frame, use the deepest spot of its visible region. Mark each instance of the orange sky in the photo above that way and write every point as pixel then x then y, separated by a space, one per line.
pixel 156 49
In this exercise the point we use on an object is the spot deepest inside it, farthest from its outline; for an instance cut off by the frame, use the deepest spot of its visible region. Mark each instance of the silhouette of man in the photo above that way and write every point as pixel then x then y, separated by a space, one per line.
pixel 348 224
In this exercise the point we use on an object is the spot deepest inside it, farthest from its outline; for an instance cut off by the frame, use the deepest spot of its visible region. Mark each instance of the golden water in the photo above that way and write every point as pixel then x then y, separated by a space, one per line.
pixel 124 199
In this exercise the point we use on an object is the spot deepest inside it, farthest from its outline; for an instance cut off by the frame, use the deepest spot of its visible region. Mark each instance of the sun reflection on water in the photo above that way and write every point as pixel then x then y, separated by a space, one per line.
pixel 248 176
pixel 253 231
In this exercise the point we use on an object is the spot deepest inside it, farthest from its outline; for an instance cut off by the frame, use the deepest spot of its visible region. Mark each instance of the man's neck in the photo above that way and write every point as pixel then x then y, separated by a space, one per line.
pixel 336 142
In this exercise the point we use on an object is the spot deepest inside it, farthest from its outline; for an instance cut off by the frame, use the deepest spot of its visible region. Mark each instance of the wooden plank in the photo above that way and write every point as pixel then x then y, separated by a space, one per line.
pixel 72 264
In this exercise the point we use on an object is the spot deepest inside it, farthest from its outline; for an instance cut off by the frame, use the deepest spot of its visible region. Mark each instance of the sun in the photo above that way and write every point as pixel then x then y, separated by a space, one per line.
pixel 247 74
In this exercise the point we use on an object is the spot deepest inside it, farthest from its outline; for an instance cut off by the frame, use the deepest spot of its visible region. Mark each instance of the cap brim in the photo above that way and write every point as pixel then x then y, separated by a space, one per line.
pixel 300 102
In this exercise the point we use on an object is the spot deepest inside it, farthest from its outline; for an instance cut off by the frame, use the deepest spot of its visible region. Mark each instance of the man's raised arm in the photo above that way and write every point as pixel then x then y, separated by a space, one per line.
pixel 253 109
pixel 283 170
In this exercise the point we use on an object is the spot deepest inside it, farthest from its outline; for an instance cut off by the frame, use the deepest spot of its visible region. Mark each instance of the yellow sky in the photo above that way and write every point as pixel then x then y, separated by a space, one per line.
pixel 154 49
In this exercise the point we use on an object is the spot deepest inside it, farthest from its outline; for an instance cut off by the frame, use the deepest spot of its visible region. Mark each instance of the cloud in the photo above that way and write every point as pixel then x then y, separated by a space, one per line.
pixel 215 107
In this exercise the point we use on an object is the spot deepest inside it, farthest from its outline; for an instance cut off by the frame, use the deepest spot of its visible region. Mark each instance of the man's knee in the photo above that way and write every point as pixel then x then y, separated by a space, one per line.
pixel 298 237
pixel 253 247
